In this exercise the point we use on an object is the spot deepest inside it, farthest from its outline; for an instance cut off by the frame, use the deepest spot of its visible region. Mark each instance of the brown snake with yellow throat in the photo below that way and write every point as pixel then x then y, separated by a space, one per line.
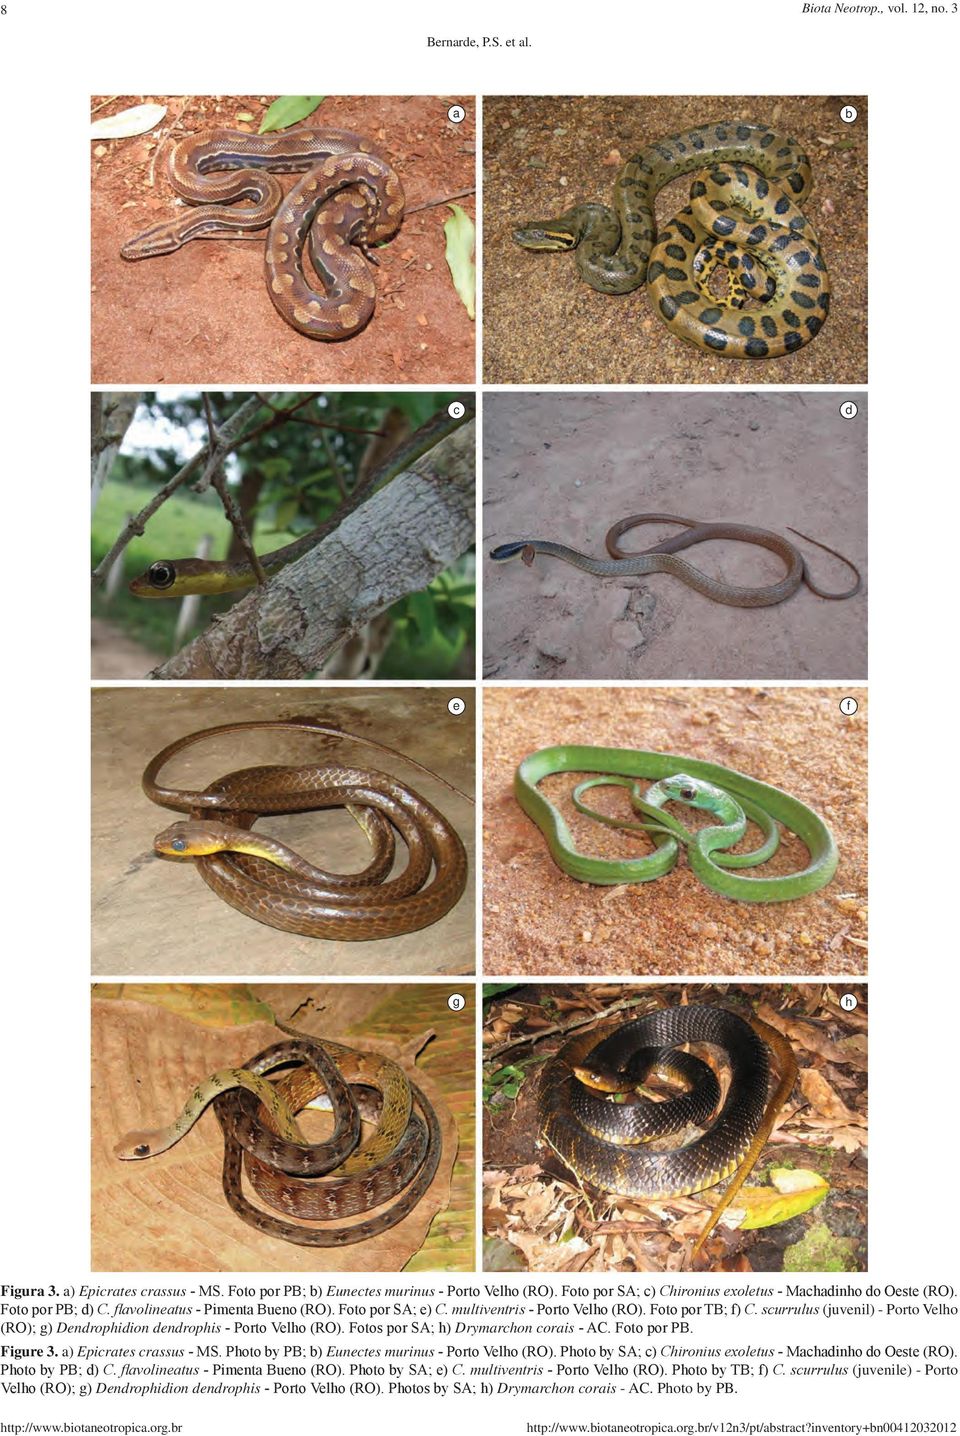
pixel 348 200
pixel 269 882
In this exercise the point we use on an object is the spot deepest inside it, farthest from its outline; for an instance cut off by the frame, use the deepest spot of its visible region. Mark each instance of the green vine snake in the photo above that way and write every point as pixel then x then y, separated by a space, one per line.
pixel 730 797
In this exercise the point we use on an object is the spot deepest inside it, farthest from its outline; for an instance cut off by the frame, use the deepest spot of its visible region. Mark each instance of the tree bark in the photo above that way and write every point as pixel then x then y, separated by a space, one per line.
pixel 110 418
pixel 394 544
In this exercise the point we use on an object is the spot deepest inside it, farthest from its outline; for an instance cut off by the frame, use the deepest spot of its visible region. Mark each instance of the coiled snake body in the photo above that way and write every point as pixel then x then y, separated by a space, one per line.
pixel 269 882
pixel 294 1196
pixel 325 1181
pixel 748 221
pixel 349 199
pixel 734 1139
pixel 661 558
pixel 730 796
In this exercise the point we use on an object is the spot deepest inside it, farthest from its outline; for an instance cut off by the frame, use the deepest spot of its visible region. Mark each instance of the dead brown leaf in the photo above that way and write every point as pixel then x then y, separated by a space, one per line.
pixel 824 1099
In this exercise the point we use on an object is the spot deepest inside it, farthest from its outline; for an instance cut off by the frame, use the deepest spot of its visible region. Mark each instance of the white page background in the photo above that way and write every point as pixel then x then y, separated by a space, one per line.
pixel 53 59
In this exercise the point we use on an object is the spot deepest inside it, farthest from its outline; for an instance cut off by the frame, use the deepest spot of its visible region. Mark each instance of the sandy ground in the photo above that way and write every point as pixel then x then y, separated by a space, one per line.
pixel 539 921
pixel 114 655
pixel 566 466
pixel 544 154
pixel 202 315
pixel 156 916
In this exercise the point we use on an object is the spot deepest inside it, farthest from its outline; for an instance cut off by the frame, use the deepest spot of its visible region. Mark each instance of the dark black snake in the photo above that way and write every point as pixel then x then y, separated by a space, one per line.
pixel 622 1162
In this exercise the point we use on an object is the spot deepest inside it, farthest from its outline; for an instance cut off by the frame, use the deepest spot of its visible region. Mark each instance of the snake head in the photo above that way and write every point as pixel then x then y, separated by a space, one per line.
pixel 544 234
pixel 160 239
pixel 154 582
pixel 134 1147
pixel 186 840
pixel 505 551
pixel 684 789
pixel 599 1079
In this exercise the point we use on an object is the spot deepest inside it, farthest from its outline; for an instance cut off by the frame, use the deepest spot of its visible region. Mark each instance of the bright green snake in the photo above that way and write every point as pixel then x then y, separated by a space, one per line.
pixel 730 796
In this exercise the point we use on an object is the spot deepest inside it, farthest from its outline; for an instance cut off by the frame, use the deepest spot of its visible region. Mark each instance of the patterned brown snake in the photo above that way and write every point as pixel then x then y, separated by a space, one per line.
pixel 335 1196
pixel 401 1156
pixel 340 1236
pixel 348 200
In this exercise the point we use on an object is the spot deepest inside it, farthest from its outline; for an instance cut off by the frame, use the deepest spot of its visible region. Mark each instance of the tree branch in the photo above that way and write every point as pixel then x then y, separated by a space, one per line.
pixel 232 510
pixel 231 436
pixel 394 544
pixel 623 1005
pixel 110 417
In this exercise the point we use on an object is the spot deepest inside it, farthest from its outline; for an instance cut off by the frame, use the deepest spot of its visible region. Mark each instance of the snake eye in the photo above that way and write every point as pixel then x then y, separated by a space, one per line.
pixel 141 1150
pixel 179 845
pixel 688 794
pixel 161 575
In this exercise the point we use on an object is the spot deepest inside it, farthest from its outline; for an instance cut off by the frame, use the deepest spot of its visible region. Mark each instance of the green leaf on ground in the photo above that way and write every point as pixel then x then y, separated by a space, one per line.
pixel 461 241
pixel 289 110
pixel 792 1191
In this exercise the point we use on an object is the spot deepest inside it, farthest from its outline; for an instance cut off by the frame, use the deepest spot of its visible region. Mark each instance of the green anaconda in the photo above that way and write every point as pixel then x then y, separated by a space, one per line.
pixel 744 217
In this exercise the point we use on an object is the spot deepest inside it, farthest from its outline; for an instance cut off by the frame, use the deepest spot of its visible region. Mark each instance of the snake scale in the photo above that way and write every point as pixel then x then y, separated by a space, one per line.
pixel 271 883
pixel 340 1236
pixel 348 199
pixel 340 1178
pixel 342 1193
pixel 661 558
pixel 731 797
pixel 620 1161
pixel 149 1142
pixel 744 217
